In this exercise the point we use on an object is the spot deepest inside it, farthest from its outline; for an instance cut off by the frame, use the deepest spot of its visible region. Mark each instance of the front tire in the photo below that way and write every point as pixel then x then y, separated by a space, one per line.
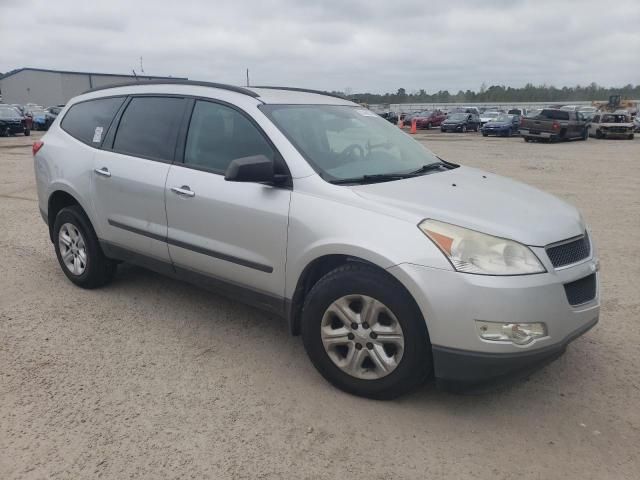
pixel 78 250
pixel 365 334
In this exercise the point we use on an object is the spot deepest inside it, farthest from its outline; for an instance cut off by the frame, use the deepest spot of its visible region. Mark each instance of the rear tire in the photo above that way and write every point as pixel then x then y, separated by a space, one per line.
pixel 464 129
pixel 630 137
pixel 78 250
pixel 527 139
pixel 360 373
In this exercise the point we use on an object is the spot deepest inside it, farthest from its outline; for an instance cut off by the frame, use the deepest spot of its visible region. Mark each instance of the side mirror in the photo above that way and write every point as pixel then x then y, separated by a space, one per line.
pixel 256 168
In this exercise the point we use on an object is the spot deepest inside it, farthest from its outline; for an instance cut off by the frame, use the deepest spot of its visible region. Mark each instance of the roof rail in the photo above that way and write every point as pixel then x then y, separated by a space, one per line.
pixel 306 90
pixel 221 86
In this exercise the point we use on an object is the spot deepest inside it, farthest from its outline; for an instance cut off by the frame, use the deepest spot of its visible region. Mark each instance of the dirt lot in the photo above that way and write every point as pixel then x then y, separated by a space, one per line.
pixel 151 378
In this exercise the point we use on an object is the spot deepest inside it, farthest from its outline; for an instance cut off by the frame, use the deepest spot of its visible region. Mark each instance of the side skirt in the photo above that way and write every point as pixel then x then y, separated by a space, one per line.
pixel 262 300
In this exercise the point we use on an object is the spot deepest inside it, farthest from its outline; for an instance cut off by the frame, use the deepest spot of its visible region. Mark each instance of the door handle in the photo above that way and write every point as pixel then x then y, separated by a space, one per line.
pixel 104 171
pixel 184 191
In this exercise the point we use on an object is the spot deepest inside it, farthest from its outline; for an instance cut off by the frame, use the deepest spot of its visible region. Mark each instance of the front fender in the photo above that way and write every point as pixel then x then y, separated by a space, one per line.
pixel 319 226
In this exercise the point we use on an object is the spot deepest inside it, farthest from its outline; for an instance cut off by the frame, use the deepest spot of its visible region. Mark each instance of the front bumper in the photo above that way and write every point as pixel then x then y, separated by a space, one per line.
pixel 464 370
pixel 614 134
pixel 495 131
pixel 451 302
pixel 13 128
pixel 451 128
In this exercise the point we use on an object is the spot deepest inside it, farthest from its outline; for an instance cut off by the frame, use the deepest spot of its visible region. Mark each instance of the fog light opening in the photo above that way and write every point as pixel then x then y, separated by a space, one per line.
pixel 516 333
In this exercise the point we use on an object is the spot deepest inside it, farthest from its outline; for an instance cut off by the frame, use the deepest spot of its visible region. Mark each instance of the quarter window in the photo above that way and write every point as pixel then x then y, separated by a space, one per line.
pixel 149 127
pixel 219 134
pixel 88 121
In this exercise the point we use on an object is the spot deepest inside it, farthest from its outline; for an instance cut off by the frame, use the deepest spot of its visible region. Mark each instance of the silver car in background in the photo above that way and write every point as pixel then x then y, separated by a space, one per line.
pixel 394 265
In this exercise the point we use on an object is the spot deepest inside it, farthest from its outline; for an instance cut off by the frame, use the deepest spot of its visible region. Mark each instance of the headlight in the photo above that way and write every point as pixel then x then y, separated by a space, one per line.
pixel 474 252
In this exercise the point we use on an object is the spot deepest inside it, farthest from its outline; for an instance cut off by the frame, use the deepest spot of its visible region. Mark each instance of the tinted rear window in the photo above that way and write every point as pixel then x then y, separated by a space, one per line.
pixel 89 121
pixel 149 127
pixel 554 114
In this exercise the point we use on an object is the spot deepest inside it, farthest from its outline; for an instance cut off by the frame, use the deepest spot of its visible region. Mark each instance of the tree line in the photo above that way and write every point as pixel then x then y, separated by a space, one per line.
pixel 500 93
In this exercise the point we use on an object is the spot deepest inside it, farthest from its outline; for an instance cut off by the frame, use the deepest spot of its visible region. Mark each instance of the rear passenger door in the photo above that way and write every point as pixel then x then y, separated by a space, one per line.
pixel 227 231
pixel 130 173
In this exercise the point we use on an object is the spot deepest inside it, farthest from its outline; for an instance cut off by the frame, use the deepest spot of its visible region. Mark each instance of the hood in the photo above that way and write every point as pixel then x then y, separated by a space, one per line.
pixel 454 122
pixel 481 201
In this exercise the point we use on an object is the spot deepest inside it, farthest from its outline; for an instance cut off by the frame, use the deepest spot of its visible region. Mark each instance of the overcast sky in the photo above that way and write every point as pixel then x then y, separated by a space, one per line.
pixel 363 45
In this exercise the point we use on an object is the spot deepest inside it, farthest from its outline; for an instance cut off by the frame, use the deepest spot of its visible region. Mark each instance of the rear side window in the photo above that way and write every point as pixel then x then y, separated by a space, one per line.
pixel 219 134
pixel 149 127
pixel 89 121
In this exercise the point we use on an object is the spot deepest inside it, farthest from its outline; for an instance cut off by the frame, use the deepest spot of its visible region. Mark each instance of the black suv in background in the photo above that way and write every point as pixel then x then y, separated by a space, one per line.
pixel 11 122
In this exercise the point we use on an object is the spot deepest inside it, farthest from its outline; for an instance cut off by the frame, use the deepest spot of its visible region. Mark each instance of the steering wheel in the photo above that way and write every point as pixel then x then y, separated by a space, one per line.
pixel 347 153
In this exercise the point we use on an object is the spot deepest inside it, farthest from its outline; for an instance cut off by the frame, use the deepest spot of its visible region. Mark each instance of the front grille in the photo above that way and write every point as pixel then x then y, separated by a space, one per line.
pixel 569 252
pixel 581 291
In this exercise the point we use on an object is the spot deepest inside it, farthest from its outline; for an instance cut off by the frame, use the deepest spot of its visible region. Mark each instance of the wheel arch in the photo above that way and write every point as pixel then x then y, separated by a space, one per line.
pixel 58 199
pixel 314 270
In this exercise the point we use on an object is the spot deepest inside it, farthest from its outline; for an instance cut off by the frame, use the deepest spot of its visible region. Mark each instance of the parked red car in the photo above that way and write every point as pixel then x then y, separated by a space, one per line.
pixel 429 118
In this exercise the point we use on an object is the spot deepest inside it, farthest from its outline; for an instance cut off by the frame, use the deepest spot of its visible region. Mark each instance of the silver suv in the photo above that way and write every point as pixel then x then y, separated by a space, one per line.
pixel 394 265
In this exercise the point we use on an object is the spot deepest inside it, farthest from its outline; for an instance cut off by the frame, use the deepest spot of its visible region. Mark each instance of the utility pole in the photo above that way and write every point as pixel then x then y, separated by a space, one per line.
pixel 141 67
pixel 247 77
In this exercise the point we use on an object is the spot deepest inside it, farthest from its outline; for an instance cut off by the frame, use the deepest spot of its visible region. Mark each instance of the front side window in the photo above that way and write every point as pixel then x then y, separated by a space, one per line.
pixel 344 142
pixel 88 121
pixel 149 127
pixel 219 134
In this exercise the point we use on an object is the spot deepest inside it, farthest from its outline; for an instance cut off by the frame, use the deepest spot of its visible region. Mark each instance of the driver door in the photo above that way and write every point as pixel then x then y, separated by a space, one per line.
pixel 220 232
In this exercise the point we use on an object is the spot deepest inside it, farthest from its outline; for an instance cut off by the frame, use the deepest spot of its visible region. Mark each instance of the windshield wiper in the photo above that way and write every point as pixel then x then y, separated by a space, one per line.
pixel 380 177
pixel 427 168
pixel 386 177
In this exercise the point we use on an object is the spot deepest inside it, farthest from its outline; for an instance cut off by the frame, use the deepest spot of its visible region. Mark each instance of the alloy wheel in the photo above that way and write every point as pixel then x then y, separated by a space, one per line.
pixel 362 337
pixel 73 250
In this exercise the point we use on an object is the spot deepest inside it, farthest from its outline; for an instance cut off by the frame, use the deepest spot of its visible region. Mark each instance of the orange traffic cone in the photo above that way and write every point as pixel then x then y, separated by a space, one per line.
pixel 414 126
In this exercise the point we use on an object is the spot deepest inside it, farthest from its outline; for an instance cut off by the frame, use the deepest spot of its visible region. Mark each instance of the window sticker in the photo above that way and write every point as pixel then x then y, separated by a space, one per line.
pixel 97 134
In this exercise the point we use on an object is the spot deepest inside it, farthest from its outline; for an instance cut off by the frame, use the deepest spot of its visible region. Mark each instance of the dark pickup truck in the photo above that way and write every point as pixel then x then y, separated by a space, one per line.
pixel 553 124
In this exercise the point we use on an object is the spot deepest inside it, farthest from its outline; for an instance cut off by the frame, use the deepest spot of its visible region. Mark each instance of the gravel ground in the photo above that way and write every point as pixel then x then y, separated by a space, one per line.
pixel 152 378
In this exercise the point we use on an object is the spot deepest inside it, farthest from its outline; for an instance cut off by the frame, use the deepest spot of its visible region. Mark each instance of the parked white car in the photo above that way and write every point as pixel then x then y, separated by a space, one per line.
pixel 488 116
pixel 610 125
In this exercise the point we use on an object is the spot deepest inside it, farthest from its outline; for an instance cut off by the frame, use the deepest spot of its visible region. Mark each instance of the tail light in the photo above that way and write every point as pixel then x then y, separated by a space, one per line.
pixel 36 147
pixel 555 125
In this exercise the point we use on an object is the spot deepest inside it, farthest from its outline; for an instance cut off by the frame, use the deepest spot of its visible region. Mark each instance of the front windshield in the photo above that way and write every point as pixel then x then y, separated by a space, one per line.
pixel 504 118
pixel 342 142
pixel 490 114
pixel 8 113
pixel 456 117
